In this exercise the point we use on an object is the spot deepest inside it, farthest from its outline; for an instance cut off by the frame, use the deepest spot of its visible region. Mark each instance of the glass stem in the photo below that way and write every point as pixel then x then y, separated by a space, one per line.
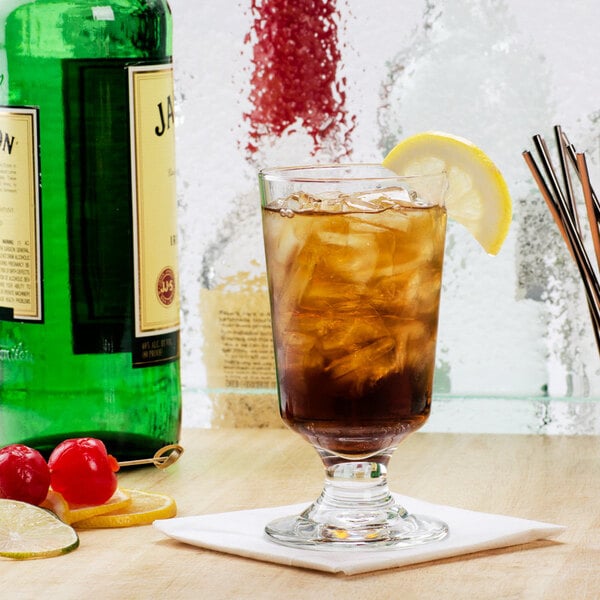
pixel 355 490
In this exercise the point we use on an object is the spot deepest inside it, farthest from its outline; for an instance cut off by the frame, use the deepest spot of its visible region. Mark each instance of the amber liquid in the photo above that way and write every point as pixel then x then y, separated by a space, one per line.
pixel 355 301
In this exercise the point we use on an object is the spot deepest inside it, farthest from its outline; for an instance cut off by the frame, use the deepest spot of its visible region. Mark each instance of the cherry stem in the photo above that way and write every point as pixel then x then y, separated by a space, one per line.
pixel 163 458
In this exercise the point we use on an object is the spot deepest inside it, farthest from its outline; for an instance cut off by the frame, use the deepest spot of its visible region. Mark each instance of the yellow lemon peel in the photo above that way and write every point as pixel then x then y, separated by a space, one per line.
pixel 478 196
pixel 145 507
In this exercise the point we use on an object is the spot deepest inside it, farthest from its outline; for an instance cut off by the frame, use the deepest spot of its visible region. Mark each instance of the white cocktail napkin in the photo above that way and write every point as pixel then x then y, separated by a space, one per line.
pixel 242 533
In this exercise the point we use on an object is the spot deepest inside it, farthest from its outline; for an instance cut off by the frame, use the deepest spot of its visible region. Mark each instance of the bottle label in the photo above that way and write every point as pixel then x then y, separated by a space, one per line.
pixel 121 209
pixel 154 201
pixel 20 227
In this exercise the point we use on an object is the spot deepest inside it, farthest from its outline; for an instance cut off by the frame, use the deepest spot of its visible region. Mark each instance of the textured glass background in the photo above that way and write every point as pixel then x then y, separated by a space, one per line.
pixel 515 347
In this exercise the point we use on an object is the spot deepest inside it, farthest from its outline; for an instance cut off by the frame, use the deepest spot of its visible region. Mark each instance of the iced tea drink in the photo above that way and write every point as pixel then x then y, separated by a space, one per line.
pixel 354 279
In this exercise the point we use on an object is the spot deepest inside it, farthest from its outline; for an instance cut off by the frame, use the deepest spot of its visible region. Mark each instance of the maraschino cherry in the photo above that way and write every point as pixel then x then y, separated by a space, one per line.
pixel 24 474
pixel 83 472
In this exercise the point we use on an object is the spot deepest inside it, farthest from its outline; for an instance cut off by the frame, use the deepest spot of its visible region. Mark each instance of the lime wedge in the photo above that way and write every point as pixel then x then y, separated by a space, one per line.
pixel 28 531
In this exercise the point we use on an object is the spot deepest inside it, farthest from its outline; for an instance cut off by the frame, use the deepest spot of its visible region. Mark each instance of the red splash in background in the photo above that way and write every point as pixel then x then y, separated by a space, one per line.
pixel 296 79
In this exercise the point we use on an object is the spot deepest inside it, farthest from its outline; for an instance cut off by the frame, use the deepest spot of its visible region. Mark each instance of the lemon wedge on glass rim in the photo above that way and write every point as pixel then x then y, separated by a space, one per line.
pixel 477 196
pixel 28 531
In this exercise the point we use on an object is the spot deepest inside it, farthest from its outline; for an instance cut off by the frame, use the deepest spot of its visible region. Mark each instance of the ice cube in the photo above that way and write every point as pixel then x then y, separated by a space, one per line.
pixel 348 332
pixel 362 368
pixel 301 352
pixel 336 202
pixel 377 200
pixel 364 361
pixel 329 295
pixel 303 202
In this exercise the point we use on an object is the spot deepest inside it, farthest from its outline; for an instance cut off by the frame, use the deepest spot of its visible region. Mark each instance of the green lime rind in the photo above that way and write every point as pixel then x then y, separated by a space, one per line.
pixel 30 532
pixel 41 554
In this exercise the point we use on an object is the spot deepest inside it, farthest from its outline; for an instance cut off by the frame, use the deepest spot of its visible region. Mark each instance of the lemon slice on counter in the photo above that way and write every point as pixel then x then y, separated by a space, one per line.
pixel 145 507
pixel 477 197
pixel 28 531
pixel 72 514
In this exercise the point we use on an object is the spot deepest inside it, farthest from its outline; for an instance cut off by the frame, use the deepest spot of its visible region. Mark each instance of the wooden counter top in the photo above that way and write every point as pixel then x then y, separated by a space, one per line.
pixel 554 479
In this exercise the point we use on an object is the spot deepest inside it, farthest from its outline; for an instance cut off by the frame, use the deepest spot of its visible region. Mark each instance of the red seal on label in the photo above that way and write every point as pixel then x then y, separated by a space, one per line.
pixel 165 286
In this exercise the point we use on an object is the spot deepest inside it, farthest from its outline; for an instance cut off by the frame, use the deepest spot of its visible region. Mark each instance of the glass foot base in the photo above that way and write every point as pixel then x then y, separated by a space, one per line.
pixel 402 531
pixel 356 510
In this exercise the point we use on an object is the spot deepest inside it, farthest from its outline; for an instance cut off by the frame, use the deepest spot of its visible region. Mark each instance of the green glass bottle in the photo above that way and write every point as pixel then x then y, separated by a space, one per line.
pixel 89 304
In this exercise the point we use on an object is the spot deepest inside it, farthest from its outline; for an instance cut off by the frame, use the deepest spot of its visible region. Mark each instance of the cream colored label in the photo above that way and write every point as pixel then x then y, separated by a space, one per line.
pixel 20 269
pixel 238 342
pixel 154 198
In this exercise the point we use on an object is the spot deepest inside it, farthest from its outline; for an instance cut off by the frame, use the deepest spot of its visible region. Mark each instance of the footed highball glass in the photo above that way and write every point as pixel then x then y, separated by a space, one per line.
pixel 354 263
